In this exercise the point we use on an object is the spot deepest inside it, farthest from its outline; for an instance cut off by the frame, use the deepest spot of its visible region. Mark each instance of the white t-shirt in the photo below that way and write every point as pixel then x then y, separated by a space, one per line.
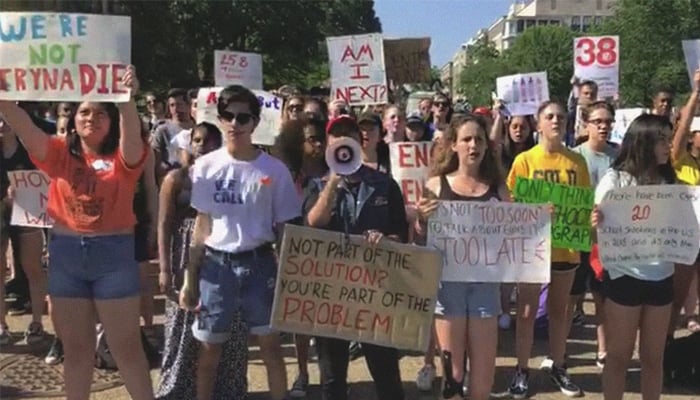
pixel 164 136
pixel 182 140
pixel 614 179
pixel 245 199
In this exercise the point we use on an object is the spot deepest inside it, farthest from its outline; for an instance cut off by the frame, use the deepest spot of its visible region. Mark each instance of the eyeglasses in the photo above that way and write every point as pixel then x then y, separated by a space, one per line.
pixel 240 118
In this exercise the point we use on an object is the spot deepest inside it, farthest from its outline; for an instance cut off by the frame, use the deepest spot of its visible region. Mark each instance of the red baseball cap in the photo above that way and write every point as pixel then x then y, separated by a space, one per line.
pixel 483 111
pixel 342 120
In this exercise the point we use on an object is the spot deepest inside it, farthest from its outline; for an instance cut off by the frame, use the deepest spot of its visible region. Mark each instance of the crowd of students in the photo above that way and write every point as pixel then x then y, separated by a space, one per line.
pixel 210 205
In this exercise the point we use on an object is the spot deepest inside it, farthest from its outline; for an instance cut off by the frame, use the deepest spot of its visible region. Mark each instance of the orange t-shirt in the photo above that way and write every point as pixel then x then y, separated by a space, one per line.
pixel 91 195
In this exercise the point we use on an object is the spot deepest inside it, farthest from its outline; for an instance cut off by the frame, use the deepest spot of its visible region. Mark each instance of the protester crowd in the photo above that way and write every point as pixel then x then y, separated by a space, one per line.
pixel 210 206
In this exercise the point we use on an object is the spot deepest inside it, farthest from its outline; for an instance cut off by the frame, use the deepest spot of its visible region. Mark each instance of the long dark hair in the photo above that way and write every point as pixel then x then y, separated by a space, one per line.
pixel 109 144
pixel 447 161
pixel 510 150
pixel 289 144
pixel 637 156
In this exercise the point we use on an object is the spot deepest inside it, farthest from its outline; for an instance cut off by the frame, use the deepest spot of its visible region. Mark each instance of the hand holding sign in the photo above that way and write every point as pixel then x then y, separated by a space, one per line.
pixel 130 80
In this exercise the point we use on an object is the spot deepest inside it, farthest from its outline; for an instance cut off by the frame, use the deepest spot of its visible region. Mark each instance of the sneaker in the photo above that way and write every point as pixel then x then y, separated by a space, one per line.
pixel 34 333
pixel 578 319
pixel 300 386
pixel 562 379
pixel 425 378
pixel 600 360
pixel 504 321
pixel 55 355
pixel 5 337
pixel 518 387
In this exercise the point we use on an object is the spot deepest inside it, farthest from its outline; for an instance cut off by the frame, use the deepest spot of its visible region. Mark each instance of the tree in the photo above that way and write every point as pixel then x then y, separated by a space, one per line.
pixel 478 78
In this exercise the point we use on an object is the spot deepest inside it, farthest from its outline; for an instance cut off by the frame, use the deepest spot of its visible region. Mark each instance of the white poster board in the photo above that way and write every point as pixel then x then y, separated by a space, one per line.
pixel 410 167
pixel 523 93
pixel 597 58
pixel 649 224
pixel 358 74
pixel 492 241
pixel 691 51
pixel 623 119
pixel 30 198
pixel 63 56
pixel 270 113
pixel 238 68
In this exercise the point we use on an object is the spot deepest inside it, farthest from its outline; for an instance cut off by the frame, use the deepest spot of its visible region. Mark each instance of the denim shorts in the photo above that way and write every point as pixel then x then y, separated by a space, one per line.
pixel 469 299
pixel 92 267
pixel 229 283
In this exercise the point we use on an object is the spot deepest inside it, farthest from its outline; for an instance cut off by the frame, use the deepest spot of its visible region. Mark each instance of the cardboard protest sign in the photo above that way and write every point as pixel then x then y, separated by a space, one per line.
pixel 691 51
pixel 492 241
pixel 238 68
pixel 64 57
pixel 270 114
pixel 410 166
pixel 571 228
pixel 31 189
pixel 523 93
pixel 358 75
pixel 333 287
pixel 597 58
pixel 649 224
pixel 407 60
pixel 623 119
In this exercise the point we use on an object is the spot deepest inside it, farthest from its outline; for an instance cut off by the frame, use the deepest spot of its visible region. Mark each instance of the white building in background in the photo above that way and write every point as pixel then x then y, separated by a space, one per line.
pixel 579 15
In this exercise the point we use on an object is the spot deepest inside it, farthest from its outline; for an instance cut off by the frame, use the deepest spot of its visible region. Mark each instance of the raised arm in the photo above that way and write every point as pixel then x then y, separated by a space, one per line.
pixel 130 142
pixel 680 136
pixel 34 139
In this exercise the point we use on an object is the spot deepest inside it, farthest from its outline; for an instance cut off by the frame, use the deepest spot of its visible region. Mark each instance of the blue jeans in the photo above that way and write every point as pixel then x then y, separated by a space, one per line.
pixel 92 267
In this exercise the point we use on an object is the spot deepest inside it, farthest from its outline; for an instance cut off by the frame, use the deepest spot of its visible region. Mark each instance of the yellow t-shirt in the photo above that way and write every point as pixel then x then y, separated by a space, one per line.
pixel 564 167
pixel 687 169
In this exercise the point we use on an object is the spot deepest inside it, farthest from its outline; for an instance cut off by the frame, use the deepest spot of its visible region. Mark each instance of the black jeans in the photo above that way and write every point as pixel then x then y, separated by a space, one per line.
pixel 383 364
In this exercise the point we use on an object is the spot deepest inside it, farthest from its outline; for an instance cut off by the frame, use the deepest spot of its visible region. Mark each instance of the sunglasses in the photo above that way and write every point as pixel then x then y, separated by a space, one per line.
pixel 240 118
pixel 295 107
pixel 441 104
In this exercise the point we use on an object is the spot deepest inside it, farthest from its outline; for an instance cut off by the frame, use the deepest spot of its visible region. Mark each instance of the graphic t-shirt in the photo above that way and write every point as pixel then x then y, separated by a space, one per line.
pixel 687 169
pixel 598 162
pixel 564 167
pixel 91 195
pixel 244 199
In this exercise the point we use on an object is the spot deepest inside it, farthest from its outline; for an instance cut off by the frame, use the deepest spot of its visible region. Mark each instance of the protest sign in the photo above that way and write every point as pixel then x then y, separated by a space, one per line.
pixel 597 58
pixel 623 119
pixel 270 113
pixel 649 224
pixel 64 57
pixel 333 286
pixel 691 51
pixel 571 228
pixel 238 68
pixel 407 60
pixel 523 93
pixel 491 241
pixel 358 75
pixel 410 166
pixel 29 199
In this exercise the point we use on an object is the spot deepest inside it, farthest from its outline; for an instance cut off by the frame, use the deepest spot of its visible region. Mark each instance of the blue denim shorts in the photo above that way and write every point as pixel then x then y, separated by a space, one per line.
pixel 92 267
pixel 469 299
pixel 229 283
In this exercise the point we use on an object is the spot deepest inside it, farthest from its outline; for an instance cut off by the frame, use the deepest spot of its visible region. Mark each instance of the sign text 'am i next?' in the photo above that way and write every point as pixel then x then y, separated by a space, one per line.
pixel 64 57
pixel 358 73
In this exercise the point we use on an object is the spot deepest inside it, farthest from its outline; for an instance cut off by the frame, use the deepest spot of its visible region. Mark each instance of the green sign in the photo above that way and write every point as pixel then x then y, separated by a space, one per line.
pixel 571 224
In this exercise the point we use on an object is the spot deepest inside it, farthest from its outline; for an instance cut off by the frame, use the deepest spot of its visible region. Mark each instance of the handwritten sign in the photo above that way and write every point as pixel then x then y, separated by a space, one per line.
pixel 64 57
pixel 30 197
pixel 649 224
pixel 691 51
pixel 571 228
pixel 523 93
pixel 410 166
pixel 270 114
pixel 357 69
pixel 623 119
pixel 327 286
pixel 491 241
pixel 238 68
pixel 407 60
pixel 597 58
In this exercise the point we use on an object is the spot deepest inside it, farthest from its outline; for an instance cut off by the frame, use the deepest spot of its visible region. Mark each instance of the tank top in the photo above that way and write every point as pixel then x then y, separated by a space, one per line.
pixel 446 193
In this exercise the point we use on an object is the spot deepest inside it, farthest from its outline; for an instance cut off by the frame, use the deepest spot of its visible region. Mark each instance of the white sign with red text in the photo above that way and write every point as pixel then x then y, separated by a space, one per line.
pixel 238 68
pixel 29 199
pixel 270 113
pixel 410 166
pixel 358 73
pixel 597 59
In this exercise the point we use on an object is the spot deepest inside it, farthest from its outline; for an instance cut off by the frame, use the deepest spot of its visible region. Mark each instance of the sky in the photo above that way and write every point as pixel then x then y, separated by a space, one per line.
pixel 449 23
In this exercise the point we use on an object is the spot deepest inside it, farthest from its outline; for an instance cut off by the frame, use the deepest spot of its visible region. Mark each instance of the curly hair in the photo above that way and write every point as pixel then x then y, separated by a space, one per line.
pixel 289 144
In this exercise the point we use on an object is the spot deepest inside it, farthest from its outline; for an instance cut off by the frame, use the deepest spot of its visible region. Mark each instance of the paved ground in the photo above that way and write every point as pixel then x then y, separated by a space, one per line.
pixel 23 367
